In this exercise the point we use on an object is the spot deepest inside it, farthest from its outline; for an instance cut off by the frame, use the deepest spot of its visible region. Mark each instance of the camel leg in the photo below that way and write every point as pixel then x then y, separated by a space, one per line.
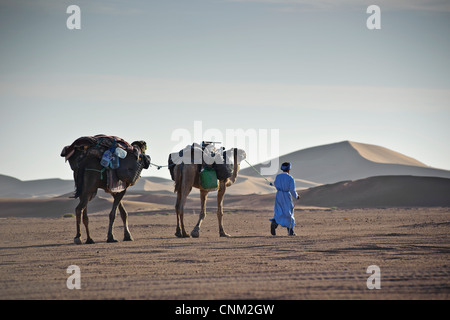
pixel 196 232
pixel 79 212
pixel 179 208
pixel 124 214
pixel 112 215
pixel 86 225
pixel 220 195
pixel 177 205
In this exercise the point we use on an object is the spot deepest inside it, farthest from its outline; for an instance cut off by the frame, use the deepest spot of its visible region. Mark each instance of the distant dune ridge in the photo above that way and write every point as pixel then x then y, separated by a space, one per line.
pixel 46 188
pixel 382 155
pixel 350 161
pixel 381 191
pixel 344 174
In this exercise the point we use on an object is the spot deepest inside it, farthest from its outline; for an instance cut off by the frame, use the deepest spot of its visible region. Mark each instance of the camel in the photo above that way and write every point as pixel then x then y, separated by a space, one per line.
pixel 90 175
pixel 186 176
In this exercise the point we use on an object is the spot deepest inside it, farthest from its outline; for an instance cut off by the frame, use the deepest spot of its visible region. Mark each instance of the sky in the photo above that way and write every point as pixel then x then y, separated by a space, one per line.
pixel 308 72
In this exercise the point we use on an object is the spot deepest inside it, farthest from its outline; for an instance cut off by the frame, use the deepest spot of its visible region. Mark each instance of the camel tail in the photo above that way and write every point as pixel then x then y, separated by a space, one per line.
pixel 79 181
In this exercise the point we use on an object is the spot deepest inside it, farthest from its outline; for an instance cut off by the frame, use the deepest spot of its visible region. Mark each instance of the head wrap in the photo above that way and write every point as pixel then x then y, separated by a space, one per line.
pixel 286 166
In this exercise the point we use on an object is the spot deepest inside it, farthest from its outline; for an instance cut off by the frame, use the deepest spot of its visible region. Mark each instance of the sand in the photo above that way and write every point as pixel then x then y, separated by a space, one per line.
pixel 348 160
pixel 327 260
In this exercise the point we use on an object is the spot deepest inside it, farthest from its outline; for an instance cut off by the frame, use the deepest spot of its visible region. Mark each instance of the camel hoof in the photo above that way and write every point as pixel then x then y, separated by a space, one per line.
pixel 111 240
pixel 77 240
pixel 128 238
pixel 225 235
pixel 179 234
pixel 195 234
pixel 89 241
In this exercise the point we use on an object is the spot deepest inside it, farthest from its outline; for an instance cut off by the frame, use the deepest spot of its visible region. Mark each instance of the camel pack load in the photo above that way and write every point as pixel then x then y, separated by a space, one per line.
pixel 200 166
pixel 92 158
pixel 108 150
pixel 187 168
pixel 213 164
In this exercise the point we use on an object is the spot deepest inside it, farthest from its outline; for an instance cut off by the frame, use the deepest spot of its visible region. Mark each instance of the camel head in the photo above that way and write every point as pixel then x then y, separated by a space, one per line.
pixel 240 155
pixel 131 166
pixel 235 155
pixel 233 158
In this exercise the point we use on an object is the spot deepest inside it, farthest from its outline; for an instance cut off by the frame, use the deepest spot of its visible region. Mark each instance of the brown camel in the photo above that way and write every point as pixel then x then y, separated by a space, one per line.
pixel 186 176
pixel 90 175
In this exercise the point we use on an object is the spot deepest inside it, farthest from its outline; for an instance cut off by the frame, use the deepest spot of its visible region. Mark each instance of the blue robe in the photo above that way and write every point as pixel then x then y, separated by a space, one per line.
pixel 284 206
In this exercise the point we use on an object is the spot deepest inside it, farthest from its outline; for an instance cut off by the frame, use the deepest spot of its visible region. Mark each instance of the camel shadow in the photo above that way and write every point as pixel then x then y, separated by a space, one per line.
pixel 53 245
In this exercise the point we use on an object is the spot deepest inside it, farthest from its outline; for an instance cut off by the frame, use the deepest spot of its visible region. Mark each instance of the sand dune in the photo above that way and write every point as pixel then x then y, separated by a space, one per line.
pixel 374 192
pixel 243 185
pixel 381 191
pixel 351 161
pixel 54 207
pixel 250 185
pixel 153 184
pixel 383 155
pixel 46 188
pixel 312 167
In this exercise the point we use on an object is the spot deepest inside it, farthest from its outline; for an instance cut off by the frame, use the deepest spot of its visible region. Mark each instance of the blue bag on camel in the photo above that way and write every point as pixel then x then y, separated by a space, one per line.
pixel 106 159
pixel 110 157
pixel 114 161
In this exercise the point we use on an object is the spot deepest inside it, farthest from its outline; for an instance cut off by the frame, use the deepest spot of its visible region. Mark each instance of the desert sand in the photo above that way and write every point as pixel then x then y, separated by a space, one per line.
pixel 346 222
pixel 328 258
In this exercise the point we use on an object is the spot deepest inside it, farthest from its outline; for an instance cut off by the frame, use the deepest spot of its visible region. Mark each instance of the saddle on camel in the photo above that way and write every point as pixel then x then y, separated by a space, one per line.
pixel 212 164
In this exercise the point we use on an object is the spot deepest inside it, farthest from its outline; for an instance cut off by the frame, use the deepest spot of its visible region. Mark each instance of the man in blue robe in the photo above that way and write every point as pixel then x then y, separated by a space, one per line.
pixel 284 205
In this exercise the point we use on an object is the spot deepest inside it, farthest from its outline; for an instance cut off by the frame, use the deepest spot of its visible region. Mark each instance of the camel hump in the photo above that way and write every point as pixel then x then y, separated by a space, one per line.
pixel 197 154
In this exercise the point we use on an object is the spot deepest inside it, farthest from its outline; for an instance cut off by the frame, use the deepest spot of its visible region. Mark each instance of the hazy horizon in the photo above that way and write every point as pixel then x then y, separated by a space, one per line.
pixel 141 70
